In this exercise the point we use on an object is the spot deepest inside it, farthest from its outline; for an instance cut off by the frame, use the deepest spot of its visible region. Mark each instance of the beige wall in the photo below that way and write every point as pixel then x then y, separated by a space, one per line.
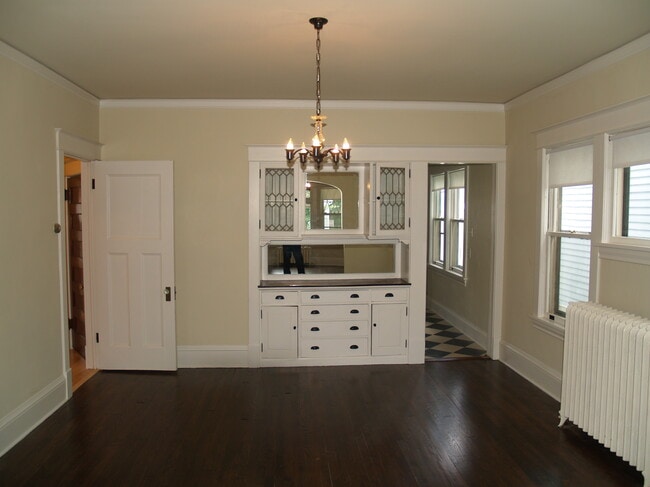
pixel 472 300
pixel 619 83
pixel 30 328
pixel 209 149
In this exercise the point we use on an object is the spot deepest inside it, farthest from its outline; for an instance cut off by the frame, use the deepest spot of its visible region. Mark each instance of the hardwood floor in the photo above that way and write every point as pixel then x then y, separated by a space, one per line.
pixel 80 374
pixel 464 423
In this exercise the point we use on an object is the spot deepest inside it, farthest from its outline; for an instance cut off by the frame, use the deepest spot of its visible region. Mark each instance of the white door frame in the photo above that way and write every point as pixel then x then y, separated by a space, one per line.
pixel 84 150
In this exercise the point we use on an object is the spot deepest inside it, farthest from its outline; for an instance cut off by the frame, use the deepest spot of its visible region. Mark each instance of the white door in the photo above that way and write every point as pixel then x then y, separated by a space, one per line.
pixel 132 259
pixel 389 329
pixel 279 332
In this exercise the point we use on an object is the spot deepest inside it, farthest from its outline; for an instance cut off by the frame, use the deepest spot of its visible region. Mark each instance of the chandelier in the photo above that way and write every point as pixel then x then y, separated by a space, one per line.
pixel 318 153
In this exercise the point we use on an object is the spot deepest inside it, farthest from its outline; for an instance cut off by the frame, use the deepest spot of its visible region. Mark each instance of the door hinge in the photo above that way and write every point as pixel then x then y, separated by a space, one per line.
pixel 261 314
pixel 406 343
pixel 96 337
pixel 93 183
pixel 259 224
pixel 262 345
pixel 407 311
pixel 409 173
pixel 260 174
pixel 66 195
pixel 409 222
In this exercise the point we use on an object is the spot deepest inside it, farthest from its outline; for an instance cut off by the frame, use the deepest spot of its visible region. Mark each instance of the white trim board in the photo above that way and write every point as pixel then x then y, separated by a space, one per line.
pixel 531 369
pixel 244 104
pixel 22 420
pixel 598 64
pixel 209 356
pixel 27 62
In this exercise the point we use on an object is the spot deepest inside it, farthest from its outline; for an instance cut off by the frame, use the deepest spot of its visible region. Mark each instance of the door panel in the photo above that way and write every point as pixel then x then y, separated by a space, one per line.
pixel 75 266
pixel 133 257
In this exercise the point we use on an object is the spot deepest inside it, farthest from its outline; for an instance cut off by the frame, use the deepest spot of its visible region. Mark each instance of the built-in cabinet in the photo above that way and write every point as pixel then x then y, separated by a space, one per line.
pixel 331 325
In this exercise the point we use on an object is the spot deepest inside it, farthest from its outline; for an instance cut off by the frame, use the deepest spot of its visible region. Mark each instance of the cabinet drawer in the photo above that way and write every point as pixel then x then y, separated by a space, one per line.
pixel 338 296
pixel 334 347
pixel 337 329
pixel 341 312
pixel 390 294
pixel 280 298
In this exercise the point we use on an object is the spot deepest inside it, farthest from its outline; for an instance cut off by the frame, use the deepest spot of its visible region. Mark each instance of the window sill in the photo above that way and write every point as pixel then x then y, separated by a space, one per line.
pixel 624 253
pixel 549 327
pixel 449 274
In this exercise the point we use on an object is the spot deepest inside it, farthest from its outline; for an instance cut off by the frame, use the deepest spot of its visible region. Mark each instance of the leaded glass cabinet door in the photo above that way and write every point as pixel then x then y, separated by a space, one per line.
pixel 392 183
pixel 279 212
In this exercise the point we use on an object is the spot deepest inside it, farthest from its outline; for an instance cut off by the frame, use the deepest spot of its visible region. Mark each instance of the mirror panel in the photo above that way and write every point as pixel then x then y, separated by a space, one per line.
pixel 331 200
pixel 331 259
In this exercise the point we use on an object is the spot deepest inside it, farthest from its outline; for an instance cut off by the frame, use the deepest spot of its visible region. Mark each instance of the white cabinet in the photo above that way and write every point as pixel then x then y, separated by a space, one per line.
pixel 389 329
pixel 333 325
pixel 279 193
pixel 279 325
pixel 391 200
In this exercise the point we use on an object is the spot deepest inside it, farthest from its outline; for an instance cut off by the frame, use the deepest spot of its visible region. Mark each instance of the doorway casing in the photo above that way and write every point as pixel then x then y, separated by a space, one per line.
pixel 84 150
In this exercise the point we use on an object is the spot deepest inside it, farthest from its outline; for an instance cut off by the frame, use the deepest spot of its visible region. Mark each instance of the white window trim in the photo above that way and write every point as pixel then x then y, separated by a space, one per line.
pixel 446 269
pixel 596 127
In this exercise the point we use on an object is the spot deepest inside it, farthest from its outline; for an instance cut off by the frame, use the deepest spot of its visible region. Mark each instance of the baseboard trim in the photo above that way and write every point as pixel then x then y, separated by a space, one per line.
pixel 201 356
pixel 22 420
pixel 531 369
pixel 464 326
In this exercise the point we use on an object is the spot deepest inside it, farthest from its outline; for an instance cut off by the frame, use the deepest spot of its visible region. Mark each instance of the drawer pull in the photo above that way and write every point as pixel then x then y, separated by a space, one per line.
pixel 315 312
pixel 315 347
pixel 315 328
pixel 314 296
pixel 354 311
pixel 354 328
pixel 389 295
pixel 354 347
pixel 279 298
pixel 354 296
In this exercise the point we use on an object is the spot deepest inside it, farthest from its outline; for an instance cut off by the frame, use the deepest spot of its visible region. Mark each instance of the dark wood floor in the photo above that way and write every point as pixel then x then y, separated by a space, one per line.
pixel 465 423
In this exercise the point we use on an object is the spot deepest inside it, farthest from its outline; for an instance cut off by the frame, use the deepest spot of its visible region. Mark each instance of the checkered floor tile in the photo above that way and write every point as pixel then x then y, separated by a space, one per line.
pixel 444 342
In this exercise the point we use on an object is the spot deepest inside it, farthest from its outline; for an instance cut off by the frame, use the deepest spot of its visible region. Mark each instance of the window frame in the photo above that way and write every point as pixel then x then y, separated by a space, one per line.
pixel 447 239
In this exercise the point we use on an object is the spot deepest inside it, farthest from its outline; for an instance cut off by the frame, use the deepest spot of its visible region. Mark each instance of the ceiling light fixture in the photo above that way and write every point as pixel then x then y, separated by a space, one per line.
pixel 317 153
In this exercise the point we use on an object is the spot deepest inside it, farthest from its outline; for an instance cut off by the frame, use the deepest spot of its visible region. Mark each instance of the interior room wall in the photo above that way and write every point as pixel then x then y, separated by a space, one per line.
pixel 468 304
pixel 598 89
pixel 30 327
pixel 209 149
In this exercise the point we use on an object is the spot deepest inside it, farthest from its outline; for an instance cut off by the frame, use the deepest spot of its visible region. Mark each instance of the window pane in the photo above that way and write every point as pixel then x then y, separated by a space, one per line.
pixel 575 209
pixel 573 271
pixel 637 203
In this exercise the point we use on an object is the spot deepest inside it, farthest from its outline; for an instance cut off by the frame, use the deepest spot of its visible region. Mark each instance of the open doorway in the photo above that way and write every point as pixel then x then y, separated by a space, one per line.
pixel 81 372
pixel 460 260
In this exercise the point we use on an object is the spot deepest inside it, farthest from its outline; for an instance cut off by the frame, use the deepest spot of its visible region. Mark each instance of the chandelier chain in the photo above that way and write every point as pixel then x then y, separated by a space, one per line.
pixel 317 71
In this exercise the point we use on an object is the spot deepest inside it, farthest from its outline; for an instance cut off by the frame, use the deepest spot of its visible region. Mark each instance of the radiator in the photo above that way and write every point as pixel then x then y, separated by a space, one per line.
pixel 606 377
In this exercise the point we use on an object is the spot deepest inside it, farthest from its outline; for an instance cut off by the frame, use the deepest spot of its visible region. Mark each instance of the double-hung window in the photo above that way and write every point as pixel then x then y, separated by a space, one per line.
pixel 568 232
pixel 631 162
pixel 447 200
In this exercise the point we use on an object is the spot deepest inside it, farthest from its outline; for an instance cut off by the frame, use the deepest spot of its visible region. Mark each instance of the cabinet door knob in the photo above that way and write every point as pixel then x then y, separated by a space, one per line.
pixel 354 347
pixel 294 327
pixel 354 328
pixel 315 347
pixel 280 297
pixel 375 325
pixel 315 328
pixel 314 296
pixel 315 312
pixel 354 311
pixel 389 295
pixel 354 296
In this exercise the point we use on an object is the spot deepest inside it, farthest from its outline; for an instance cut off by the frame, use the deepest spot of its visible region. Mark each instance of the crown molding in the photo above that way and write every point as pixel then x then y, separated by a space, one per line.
pixel 598 64
pixel 11 53
pixel 306 104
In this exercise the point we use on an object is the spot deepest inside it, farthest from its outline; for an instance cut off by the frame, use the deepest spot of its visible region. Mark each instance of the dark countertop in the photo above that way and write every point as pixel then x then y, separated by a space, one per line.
pixel 333 283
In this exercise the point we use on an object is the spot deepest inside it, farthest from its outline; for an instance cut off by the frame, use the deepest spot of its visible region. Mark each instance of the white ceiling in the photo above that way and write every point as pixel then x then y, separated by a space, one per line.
pixel 415 50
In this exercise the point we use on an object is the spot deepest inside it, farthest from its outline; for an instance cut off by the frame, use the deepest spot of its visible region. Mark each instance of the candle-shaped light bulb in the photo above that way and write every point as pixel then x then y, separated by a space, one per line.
pixel 303 149
pixel 336 149
pixel 315 142
pixel 290 144
pixel 346 144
